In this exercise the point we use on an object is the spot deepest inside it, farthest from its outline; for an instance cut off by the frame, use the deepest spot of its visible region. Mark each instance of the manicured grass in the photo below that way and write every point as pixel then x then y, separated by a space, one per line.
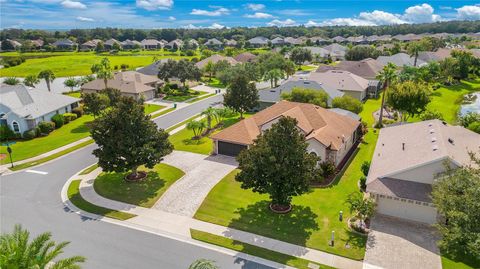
pixel 308 68
pixel 150 108
pixel 214 82
pixel 462 262
pixel 144 193
pixel 163 112
pixel 370 106
pixel 65 135
pixel 76 199
pixel 89 169
pixel 200 98
pixel 51 157
pixel 76 94
pixel 182 123
pixel 253 250
pixel 182 98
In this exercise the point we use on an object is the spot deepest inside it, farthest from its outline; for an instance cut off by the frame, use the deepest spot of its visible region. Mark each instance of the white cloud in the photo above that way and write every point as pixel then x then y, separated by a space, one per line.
pixel 213 26
pixel 259 15
pixel 155 4
pixel 255 7
pixel 79 18
pixel 190 26
pixel 347 21
pixel 220 11
pixel 73 4
pixel 420 14
pixel 469 12
pixel 381 17
pixel 171 18
pixel 216 26
pixel 279 23
pixel 311 23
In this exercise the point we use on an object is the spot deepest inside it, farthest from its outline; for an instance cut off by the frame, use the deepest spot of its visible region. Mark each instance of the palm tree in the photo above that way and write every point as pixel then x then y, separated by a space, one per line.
pixel 197 128
pixel 17 252
pixel 413 49
pixel 48 76
pixel 387 76
pixel 289 68
pixel 31 80
pixel 274 75
pixel 203 264
pixel 103 71
pixel 221 114
pixel 209 113
pixel 210 69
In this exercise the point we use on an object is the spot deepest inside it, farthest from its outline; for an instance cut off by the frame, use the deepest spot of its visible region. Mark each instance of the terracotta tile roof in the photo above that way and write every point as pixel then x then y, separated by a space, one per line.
pixel 245 57
pixel 327 127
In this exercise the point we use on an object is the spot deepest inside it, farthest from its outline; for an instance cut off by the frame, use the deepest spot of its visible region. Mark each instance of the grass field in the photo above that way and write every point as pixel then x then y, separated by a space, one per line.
pixel 76 199
pixel 150 108
pixel 89 169
pixel 253 250
pixel 65 135
pixel 144 193
pixel 463 262
pixel 182 98
pixel 163 112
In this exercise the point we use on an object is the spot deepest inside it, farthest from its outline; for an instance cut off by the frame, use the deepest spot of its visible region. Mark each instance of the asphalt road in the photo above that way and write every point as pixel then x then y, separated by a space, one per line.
pixel 33 200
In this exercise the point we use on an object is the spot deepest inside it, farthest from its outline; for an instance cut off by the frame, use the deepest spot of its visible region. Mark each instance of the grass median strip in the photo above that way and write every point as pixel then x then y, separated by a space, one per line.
pixel 89 169
pixel 253 250
pixel 77 199
pixel 163 112
pixel 51 157
pixel 200 98
pixel 171 128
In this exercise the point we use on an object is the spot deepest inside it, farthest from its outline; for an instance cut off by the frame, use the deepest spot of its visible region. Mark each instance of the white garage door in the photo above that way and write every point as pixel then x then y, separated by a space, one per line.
pixel 406 210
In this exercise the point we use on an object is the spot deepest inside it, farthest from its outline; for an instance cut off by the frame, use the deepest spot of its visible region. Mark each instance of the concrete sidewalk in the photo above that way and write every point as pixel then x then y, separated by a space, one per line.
pixel 155 219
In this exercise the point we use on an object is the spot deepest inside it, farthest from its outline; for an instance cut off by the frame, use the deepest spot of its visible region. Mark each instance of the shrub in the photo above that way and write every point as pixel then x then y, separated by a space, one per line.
pixel 30 134
pixel 58 120
pixel 365 167
pixel 6 133
pixel 11 81
pixel 474 126
pixel 348 103
pixel 46 127
pixel 174 86
pixel 363 182
pixel 68 117
pixel 430 115
pixel 78 111
pixel 189 53
pixel 13 61
pixel 328 168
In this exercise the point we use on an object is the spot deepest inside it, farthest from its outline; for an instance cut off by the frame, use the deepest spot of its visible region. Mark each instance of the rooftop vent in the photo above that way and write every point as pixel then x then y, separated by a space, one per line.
pixel 444 122
pixel 434 147
pixel 451 141
pixel 434 139
pixel 432 131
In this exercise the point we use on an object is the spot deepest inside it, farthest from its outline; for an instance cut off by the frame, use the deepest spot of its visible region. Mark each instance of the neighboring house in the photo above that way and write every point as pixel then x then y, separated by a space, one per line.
pixel 230 42
pixel 215 59
pixel 400 59
pixel 318 54
pixel 291 41
pixel 339 39
pixel 174 44
pixel 37 43
pixel 64 44
pixel 278 41
pixel 407 160
pixel 22 109
pixel 152 69
pixel 151 44
pixel 269 97
pixel 434 56
pixel 214 44
pixel 330 135
pixel 130 83
pixel 193 43
pixel 407 37
pixel 90 45
pixel 357 40
pixel 258 41
pixel 245 57
pixel 336 52
pixel 343 81
pixel 131 44
pixel 109 43
pixel 318 40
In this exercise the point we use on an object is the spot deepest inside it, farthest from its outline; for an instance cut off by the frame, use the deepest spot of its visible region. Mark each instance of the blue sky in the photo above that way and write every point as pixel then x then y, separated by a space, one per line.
pixel 149 14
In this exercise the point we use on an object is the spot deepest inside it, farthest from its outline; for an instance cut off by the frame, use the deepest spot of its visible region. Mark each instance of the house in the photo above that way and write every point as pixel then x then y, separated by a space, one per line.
pixel 193 43
pixel 438 55
pixel 174 44
pixel 318 40
pixel 130 83
pixel 339 39
pixel 400 59
pixel 14 44
pixel 230 42
pixel 336 52
pixel 152 69
pixel 343 81
pixel 21 109
pixel 357 40
pixel 407 37
pixel 291 41
pixel 269 97
pixel 214 44
pixel 109 43
pixel 367 68
pixel 329 135
pixel 245 57
pixel 215 59
pixel 258 41
pixel 151 44
pixel 278 41
pixel 37 43
pixel 318 54
pixel 64 44
pixel 131 44
pixel 407 160
pixel 90 45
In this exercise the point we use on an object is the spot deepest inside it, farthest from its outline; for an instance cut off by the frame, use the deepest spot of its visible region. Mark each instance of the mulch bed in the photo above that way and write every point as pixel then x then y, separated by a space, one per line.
pixel 280 209
pixel 140 176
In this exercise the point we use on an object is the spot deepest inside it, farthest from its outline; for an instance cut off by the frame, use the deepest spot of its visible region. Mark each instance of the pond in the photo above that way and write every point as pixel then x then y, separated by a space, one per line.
pixel 471 103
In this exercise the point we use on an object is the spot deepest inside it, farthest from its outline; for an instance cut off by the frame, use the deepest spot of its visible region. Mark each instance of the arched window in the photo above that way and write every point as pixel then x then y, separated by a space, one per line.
pixel 2 115
pixel 16 127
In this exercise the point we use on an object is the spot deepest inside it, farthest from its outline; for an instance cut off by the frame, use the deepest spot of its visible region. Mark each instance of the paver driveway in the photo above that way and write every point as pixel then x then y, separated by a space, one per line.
pixel 398 244
pixel 202 173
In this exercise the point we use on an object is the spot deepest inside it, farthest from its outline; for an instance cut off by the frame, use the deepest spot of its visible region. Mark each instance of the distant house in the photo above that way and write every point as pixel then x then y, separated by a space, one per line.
pixel 408 159
pixel 193 43
pixel 278 41
pixel 357 40
pixel 174 44
pixel 336 52
pixel 245 57
pixel 22 109
pixel 130 83
pixel 215 59
pixel 368 68
pixel 339 39
pixel 152 69
pixel 400 59
pixel 344 81
pixel 258 41
pixel 37 43
pixel 318 40
pixel 318 54
pixel 131 44
pixel 64 44
pixel 151 44
pixel 407 37
pixel 269 97
pixel 434 56
pixel 90 45
pixel 214 44
pixel 291 41
pixel 230 42
pixel 329 135
pixel 109 43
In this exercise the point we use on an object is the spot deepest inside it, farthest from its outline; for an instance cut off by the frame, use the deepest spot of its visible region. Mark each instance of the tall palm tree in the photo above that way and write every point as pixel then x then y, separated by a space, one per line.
pixel 17 251
pixel 274 75
pixel 209 113
pixel 103 71
pixel 387 76
pixel 48 76
pixel 31 80
pixel 289 68
pixel 413 49
pixel 203 264
pixel 197 127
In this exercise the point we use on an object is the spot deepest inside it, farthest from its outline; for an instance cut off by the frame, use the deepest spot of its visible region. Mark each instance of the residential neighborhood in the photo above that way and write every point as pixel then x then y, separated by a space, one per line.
pixel 348 143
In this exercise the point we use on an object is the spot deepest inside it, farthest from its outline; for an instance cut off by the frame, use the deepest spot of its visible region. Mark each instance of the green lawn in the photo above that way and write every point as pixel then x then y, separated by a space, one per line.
pixel 163 112
pixel 308 68
pixel 89 169
pixel 459 262
pixel 182 98
pixel 76 94
pixel 76 199
pixel 253 250
pixel 144 193
pixel 214 82
pixel 150 108
pixel 65 135
pixel 200 98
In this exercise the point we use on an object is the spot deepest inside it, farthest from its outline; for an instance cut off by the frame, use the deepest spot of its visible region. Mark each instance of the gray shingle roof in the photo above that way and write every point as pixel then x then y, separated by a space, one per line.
pixel 399 59
pixel 152 69
pixel 259 40
pixel 401 188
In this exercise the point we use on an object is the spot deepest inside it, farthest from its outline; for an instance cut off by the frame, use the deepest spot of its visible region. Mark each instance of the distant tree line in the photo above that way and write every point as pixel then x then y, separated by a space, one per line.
pixel 242 33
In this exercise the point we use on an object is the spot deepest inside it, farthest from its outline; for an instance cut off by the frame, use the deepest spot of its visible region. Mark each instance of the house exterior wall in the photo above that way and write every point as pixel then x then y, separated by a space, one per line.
pixel 423 174
pixel 406 209
pixel 318 148
pixel 356 94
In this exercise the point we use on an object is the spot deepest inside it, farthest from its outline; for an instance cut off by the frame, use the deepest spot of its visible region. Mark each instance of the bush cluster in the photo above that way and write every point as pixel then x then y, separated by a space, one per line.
pixel 58 120
pixel 68 117
pixel 12 61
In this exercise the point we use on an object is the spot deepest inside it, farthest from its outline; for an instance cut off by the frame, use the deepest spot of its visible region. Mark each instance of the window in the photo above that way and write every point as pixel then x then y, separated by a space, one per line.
pixel 2 115
pixel 16 127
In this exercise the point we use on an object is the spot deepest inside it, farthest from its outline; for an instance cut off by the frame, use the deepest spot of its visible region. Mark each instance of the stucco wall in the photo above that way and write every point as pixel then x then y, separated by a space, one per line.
pixel 405 209
pixel 355 94
pixel 423 174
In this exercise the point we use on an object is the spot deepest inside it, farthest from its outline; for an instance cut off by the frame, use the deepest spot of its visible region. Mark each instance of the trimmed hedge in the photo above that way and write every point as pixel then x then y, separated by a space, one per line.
pixel 68 117
pixel 30 134
pixel 58 120
pixel 78 111
pixel 46 127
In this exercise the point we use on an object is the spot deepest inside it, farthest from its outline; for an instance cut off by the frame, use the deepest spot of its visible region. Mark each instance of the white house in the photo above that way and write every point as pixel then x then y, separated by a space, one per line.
pixel 408 159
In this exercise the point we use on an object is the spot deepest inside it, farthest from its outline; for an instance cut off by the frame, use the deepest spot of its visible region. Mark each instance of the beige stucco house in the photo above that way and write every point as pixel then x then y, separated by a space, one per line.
pixel 408 159
pixel 343 81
